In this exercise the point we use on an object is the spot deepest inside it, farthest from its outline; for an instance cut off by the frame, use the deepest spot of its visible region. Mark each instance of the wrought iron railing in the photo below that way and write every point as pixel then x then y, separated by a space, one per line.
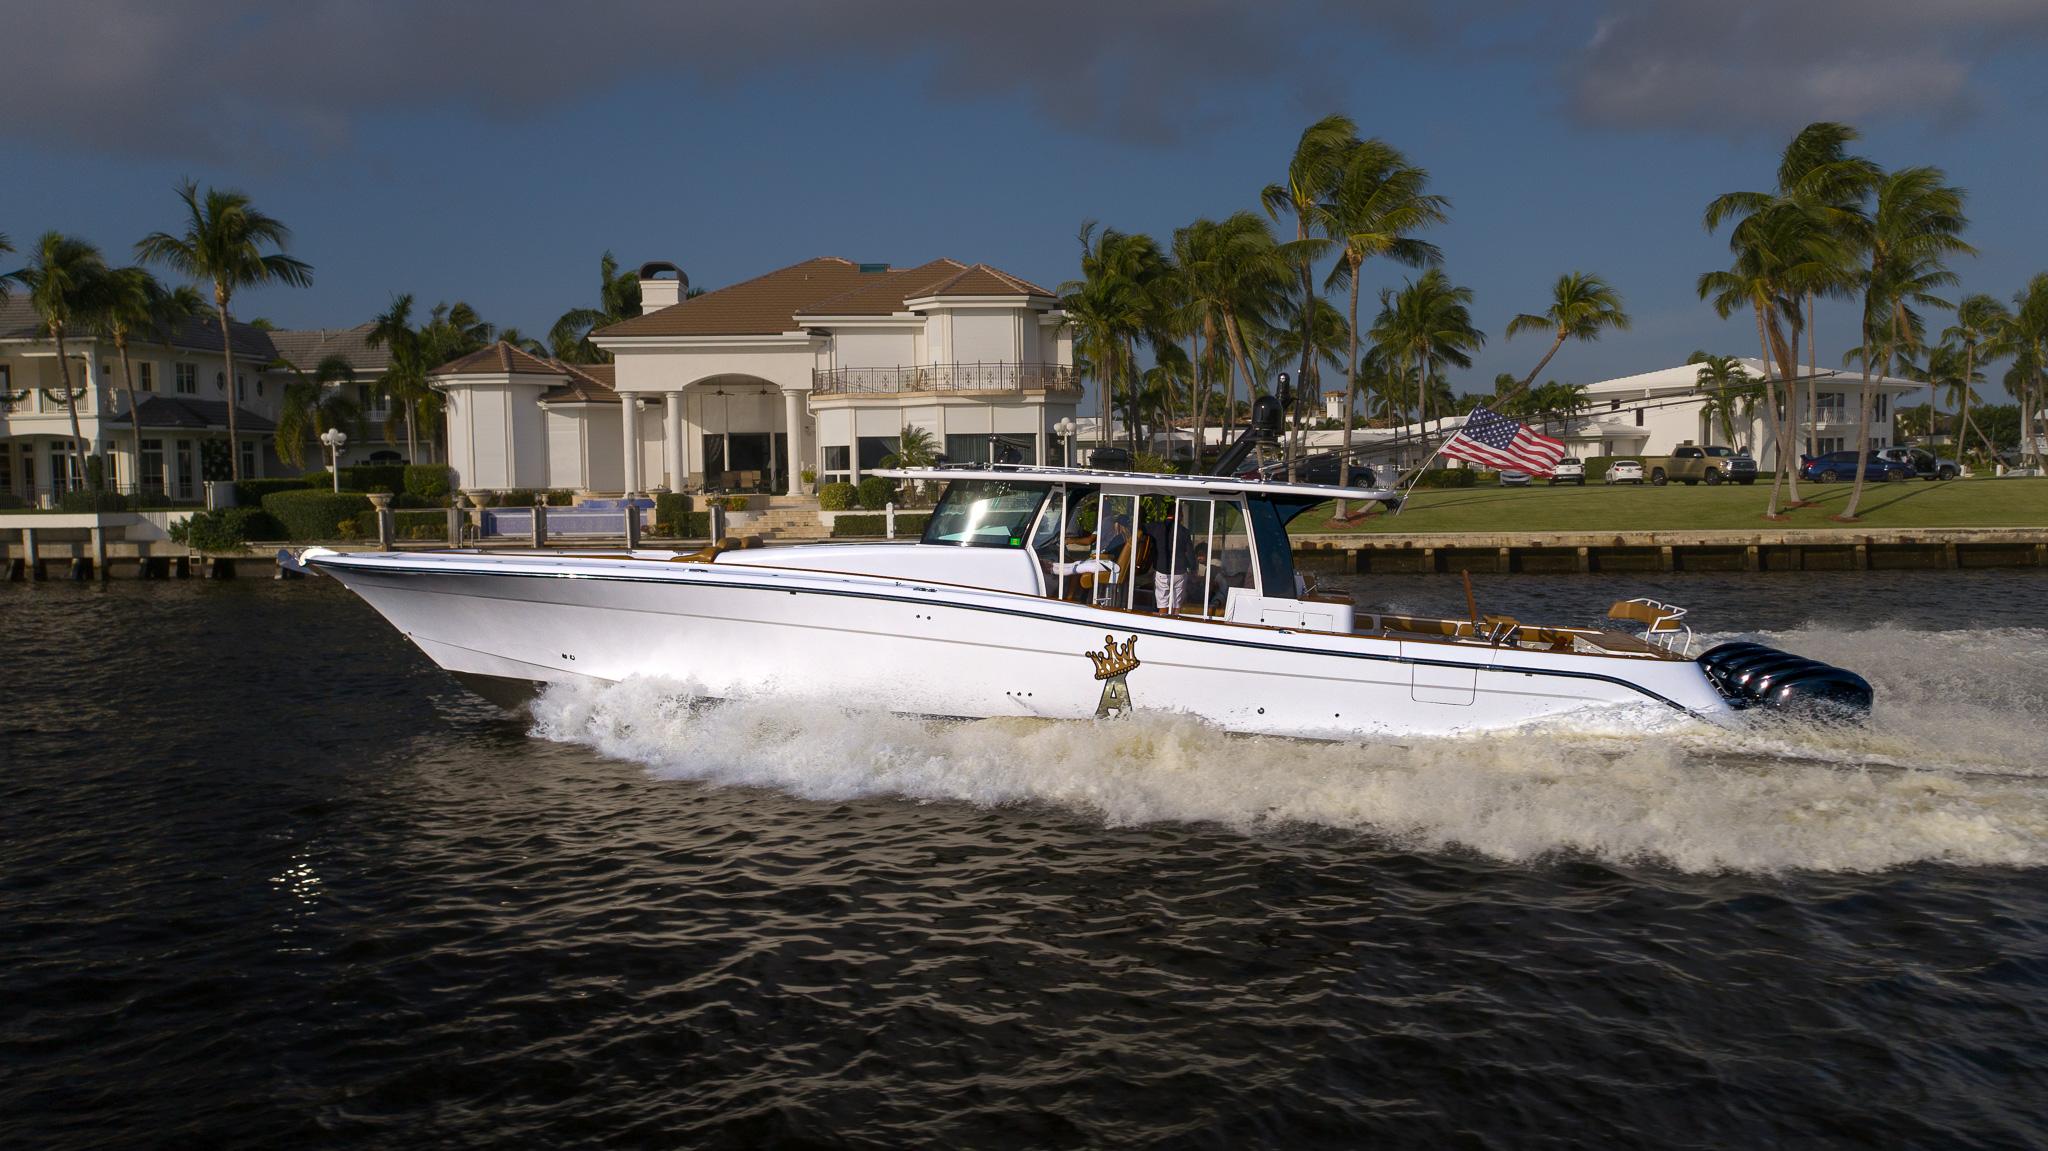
pixel 974 377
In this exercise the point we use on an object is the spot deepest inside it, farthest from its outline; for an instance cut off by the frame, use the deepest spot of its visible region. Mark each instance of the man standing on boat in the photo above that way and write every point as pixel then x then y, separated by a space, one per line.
pixel 1173 559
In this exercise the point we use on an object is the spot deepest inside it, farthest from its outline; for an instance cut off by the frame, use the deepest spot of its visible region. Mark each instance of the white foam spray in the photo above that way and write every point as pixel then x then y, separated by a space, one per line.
pixel 1950 770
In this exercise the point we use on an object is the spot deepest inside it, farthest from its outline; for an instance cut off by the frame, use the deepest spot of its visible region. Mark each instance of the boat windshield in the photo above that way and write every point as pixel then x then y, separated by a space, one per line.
pixel 985 514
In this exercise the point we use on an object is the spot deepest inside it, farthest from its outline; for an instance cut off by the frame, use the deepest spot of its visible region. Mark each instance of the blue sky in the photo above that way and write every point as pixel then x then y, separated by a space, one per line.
pixel 490 152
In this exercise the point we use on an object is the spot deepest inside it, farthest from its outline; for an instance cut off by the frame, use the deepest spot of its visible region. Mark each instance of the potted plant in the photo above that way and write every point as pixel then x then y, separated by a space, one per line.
pixel 810 478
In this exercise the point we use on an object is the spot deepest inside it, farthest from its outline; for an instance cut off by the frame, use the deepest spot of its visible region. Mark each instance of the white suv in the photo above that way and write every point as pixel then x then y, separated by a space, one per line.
pixel 1569 470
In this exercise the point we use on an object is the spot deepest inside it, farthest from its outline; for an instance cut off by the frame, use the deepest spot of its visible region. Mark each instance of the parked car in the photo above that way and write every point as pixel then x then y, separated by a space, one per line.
pixel 1924 463
pixel 1510 478
pixel 1834 466
pixel 1692 464
pixel 1625 472
pixel 1569 470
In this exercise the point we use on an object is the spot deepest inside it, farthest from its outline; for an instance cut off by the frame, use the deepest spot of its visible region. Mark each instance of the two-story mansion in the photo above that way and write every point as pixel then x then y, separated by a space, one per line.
pixel 819 366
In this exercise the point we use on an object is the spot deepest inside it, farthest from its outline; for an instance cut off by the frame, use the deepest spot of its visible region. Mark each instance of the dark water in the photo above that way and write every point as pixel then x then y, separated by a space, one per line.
pixel 268 880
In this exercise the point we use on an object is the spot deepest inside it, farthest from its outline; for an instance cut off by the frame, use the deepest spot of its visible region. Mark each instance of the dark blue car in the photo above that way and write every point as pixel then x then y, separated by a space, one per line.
pixel 1842 466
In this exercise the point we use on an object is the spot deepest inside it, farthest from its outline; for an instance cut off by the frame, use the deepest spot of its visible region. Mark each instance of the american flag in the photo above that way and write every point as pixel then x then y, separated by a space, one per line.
pixel 1496 441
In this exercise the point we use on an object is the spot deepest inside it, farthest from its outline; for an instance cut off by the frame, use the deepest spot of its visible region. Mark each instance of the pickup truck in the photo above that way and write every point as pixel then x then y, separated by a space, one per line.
pixel 1691 464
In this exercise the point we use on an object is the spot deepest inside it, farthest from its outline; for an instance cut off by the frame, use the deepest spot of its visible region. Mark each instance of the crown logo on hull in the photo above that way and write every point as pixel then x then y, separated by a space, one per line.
pixel 1116 658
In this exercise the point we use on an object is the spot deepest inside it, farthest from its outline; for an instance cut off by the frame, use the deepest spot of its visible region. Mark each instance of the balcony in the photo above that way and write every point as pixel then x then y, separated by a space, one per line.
pixel 955 379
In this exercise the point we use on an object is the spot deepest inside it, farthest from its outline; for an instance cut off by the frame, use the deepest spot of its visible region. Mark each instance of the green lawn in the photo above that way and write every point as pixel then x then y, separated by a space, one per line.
pixel 1595 507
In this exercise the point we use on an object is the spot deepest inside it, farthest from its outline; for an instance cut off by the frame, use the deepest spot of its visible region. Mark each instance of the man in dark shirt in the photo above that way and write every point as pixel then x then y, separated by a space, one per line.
pixel 1173 557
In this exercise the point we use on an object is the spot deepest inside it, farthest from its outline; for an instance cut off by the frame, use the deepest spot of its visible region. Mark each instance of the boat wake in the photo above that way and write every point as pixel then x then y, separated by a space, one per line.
pixel 1949 770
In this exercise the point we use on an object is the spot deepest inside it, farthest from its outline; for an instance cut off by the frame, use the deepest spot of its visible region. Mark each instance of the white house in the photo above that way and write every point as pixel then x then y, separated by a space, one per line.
pixel 819 366
pixel 181 395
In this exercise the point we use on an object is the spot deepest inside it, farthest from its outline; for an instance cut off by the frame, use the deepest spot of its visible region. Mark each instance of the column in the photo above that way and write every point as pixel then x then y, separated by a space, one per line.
pixel 629 426
pixel 793 420
pixel 678 465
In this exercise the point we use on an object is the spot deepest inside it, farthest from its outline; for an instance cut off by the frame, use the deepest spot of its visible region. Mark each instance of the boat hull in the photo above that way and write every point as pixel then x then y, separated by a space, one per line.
pixel 943 650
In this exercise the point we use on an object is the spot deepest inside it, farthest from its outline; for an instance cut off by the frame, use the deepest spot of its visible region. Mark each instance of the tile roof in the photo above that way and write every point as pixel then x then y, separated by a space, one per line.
pixel 196 333
pixel 304 348
pixel 777 301
pixel 500 359
pixel 588 384
pixel 180 412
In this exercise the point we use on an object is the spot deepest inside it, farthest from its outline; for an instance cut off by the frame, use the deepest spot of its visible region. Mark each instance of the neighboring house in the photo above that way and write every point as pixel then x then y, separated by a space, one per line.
pixel 379 437
pixel 182 398
pixel 821 365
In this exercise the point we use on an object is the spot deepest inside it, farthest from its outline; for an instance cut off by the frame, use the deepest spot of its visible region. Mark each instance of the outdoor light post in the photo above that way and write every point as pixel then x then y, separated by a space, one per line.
pixel 334 438
pixel 1066 428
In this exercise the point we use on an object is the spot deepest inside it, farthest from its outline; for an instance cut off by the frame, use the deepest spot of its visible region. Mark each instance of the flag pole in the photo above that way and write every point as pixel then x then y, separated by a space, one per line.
pixel 1417 478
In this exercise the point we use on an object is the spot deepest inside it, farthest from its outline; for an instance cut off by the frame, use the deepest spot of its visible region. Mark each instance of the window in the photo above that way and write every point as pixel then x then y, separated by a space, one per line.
pixel 875 449
pixel 220 381
pixel 1639 417
pixel 150 471
pixel 984 514
pixel 241 387
pixel 187 377
pixel 145 376
pixel 1828 444
pixel 1276 558
pixel 838 464
pixel 6 468
pixel 1882 403
pixel 1829 406
pixel 248 458
pixel 259 387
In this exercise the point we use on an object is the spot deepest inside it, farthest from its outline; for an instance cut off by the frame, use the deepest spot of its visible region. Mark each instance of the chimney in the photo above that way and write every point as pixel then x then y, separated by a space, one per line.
pixel 661 284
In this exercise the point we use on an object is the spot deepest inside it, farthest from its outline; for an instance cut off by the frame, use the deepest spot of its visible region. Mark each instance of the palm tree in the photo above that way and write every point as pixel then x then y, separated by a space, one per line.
pixel 1313 172
pixel 137 301
pixel 6 279
pixel 618 298
pixel 312 402
pixel 2024 337
pixel 1979 319
pixel 1237 276
pixel 450 332
pixel 1582 305
pixel 1378 201
pixel 1425 326
pixel 223 242
pixel 67 281
pixel 1915 224
pixel 523 342
pixel 1729 390
pixel 1777 248
pixel 1816 173
pixel 1115 302
pixel 1949 375
pixel 1329 335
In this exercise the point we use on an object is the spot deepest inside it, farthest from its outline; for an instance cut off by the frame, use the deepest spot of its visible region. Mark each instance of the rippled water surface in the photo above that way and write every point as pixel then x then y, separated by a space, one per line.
pixel 269 879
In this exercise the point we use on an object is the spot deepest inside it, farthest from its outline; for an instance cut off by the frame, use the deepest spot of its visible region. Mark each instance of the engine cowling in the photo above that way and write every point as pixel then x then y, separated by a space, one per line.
pixel 1756 675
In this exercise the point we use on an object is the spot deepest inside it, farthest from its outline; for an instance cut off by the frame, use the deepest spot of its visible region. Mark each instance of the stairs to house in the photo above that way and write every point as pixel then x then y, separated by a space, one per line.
pixel 788 518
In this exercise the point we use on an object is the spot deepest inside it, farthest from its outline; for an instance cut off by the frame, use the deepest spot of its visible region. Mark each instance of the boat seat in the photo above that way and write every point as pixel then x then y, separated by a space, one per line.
pixel 711 554
pixel 1421 626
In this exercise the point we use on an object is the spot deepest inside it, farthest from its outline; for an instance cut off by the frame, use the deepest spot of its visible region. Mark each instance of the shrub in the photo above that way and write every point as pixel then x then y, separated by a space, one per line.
pixel 1449 478
pixel 374 477
pixel 684 525
pixel 314 515
pixel 428 481
pixel 561 498
pixel 409 500
pixel 87 500
pixel 671 507
pixel 907 526
pixel 877 492
pixel 420 525
pixel 227 530
pixel 517 498
pixel 837 497
pixel 250 493
pixel 734 503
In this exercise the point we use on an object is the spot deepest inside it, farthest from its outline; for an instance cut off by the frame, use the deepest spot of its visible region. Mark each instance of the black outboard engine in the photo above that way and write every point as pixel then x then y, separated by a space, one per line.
pixel 1264 429
pixel 1753 675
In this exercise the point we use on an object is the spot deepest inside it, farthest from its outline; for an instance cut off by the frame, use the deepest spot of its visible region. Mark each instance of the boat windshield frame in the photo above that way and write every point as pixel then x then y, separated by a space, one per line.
pixel 982 532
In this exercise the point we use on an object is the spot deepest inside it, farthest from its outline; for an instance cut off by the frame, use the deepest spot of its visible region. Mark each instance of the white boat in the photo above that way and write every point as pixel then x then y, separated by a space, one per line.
pixel 1014 604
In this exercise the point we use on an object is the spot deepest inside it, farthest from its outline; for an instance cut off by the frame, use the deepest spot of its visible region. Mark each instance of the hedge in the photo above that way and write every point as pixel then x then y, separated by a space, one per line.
pixel 427 481
pixel 1448 478
pixel 250 493
pixel 420 524
pixel 907 526
pixel 314 515
pixel 682 525
pixel 837 497
pixel 670 507
pixel 226 530
pixel 88 500
pixel 877 492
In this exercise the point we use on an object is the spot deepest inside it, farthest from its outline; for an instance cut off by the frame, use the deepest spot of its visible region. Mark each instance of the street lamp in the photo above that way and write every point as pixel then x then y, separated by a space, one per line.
pixel 334 438
pixel 1066 428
